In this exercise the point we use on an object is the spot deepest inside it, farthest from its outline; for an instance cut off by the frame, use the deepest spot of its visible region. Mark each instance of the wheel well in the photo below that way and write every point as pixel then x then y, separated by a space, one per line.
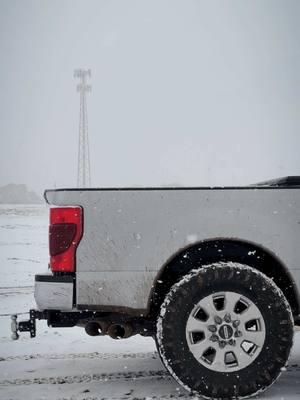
pixel 212 251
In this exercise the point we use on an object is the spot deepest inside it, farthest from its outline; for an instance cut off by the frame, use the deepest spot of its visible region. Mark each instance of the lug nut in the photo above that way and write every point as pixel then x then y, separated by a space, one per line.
pixel 218 320
pixel 212 328
pixel 222 344
pixel 227 318
pixel 232 342
pixel 236 323
pixel 214 338
pixel 238 333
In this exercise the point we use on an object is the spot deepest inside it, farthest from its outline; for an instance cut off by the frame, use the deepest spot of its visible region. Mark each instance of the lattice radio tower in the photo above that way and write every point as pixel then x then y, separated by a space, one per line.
pixel 84 167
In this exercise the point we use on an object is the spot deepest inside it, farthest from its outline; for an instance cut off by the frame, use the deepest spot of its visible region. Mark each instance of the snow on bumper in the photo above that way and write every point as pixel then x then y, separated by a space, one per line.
pixel 54 292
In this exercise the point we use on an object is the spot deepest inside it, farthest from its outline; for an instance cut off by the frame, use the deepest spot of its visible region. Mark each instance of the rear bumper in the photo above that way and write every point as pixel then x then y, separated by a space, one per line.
pixel 54 292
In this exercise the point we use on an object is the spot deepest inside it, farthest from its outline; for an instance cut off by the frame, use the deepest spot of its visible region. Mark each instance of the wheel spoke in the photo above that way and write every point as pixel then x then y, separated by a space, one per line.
pixel 231 300
pixel 242 357
pixel 199 348
pixel 219 360
pixel 195 325
pixel 251 313
pixel 208 305
pixel 255 337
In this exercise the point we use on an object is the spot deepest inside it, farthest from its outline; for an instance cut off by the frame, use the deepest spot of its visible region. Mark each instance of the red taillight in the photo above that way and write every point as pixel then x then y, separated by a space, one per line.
pixel 65 233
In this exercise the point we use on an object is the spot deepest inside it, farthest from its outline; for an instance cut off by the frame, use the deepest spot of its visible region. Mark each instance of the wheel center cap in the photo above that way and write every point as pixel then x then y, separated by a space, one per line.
pixel 225 331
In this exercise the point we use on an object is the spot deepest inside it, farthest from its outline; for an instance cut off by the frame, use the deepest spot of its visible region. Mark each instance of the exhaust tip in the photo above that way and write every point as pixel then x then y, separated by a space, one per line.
pixel 93 329
pixel 118 331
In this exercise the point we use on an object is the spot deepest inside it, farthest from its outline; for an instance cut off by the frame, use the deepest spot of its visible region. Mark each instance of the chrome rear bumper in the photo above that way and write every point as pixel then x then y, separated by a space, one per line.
pixel 54 292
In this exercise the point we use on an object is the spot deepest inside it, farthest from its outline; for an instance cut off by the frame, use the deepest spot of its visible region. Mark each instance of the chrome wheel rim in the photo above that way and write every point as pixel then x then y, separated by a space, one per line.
pixel 225 332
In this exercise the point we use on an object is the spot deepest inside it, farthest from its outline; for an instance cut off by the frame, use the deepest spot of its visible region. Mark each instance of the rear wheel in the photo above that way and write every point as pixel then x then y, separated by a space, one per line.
pixel 225 331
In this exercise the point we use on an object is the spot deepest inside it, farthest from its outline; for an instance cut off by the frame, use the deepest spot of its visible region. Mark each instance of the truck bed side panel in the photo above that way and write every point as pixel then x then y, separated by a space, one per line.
pixel 130 234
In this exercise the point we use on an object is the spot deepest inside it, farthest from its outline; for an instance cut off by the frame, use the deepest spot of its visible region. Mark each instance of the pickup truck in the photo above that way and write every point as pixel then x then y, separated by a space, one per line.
pixel 212 274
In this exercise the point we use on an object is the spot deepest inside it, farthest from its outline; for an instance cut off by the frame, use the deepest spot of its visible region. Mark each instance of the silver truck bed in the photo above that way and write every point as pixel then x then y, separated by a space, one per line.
pixel 130 234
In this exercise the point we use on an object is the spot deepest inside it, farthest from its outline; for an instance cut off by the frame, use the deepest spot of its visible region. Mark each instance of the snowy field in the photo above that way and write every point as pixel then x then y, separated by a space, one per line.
pixel 66 363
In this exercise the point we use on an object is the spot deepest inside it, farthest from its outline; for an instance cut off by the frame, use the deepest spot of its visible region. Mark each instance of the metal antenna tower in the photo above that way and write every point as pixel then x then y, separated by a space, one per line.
pixel 84 167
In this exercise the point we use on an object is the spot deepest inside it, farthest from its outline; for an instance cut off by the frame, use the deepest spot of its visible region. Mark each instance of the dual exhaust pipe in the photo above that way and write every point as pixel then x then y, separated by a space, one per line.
pixel 115 331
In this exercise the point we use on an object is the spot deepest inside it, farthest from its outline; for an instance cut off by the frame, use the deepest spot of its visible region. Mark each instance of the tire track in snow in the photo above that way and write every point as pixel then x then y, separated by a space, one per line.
pixel 132 397
pixel 16 287
pixel 86 378
pixel 14 290
pixel 62 356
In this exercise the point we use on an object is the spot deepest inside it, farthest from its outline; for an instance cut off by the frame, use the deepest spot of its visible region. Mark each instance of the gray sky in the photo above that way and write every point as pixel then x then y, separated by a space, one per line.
pixel 186 92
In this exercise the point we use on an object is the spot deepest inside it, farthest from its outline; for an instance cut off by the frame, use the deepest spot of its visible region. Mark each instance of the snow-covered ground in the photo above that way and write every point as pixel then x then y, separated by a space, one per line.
pixel 66 363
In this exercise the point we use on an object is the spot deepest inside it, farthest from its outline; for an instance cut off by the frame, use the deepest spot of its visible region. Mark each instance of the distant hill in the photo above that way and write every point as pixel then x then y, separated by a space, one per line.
pixel 18 194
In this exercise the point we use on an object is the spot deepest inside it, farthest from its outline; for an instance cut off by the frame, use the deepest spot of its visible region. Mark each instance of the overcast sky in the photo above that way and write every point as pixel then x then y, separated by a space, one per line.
pixel 183 92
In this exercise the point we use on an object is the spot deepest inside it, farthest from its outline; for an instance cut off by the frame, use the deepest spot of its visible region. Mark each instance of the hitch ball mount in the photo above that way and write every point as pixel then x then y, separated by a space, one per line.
pixel 23 326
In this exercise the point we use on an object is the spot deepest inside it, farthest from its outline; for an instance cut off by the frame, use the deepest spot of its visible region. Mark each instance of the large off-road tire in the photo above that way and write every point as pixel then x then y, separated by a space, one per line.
pixel 225 331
